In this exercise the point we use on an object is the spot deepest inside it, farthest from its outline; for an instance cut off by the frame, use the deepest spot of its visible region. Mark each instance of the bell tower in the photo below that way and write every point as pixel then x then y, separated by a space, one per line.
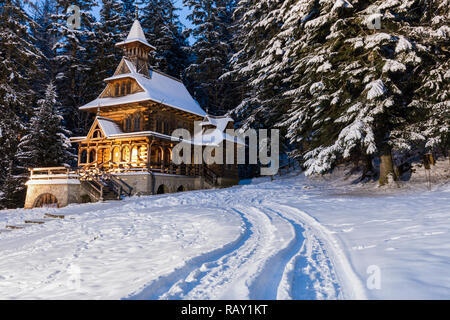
pixel 136 49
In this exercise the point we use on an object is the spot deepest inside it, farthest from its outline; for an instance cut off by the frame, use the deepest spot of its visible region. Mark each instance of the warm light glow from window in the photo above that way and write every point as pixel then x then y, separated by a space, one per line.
pixel 126 154
pixel 134 154
pixel 143 153
pixel 116 155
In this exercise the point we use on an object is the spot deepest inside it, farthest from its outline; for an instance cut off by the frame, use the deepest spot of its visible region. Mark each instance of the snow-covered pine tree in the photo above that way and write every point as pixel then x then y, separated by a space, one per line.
pixel 41 14
pixel 18 72
pixel 128 15
pixel 258 62
pixel 353 83
pixel 75 51
pixel 210 52
pixel 46 143
pixel 163 30
pixel 427 129
pixel 107 57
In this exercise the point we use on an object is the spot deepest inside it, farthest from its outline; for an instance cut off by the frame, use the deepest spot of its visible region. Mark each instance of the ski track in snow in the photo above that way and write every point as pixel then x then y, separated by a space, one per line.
pixel 280 250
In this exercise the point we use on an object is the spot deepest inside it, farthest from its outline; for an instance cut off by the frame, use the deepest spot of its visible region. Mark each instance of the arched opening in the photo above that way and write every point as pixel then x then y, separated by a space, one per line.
pixel 128 87
pixel 126 155
pixel 46 200
pixel 156 156
pixel 167 156
pixel 181 189
pixel 83 156
pixel 137 122
pixel 116 155
pixel 134 155
pixel 92 155
pixel 162 189
pixel 143 153
pixel 106 155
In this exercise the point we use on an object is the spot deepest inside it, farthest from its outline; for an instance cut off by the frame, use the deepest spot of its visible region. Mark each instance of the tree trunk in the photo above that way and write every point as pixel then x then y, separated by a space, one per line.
pixel 386 168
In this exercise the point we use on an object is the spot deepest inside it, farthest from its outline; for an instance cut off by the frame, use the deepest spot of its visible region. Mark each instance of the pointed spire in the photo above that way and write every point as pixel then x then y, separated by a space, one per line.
pixel 137 12
pixel 136 35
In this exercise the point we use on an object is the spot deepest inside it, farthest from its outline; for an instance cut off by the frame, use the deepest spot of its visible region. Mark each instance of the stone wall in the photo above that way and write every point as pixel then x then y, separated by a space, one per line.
pixel 65 190
pixel 69 191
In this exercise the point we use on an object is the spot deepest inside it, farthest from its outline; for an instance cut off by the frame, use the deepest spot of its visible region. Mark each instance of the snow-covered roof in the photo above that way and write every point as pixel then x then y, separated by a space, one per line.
pixel 108 126
pixel 213 137
pixel 219 122
pixel 159 88
pixel 136 34
pixel 112 130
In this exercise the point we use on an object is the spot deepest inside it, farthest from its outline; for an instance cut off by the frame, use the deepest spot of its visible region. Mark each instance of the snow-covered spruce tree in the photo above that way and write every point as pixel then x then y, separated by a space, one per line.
pixel 74 52
pixel 163 30
pixel 128 15
pixel 46 142
pixel 210 52
pixel 259 62
pixel 428 127
pixel 41 13
pixel 18 72
pixel 106 56
pixel 352 86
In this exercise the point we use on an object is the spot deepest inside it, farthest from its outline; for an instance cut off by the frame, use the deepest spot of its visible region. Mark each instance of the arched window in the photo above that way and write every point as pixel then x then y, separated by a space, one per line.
pixel 158 126
pixel 92 156
pixel 106 155
pixel 116 155
pixel 143 153
pixel 122 89
pixel 167 155
pixel 137 122
pixel 128 124
pixel 134 154
pixel 128 87
pixel 126 156
pixel 83 156
pixel 117 88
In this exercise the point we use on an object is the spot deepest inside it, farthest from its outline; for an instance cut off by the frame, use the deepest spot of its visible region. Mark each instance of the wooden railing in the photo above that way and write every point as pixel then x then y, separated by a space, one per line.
pixel 51 173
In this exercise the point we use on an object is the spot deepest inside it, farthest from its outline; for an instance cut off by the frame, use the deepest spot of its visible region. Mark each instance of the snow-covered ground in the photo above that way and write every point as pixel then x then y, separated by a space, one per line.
pixel 293 238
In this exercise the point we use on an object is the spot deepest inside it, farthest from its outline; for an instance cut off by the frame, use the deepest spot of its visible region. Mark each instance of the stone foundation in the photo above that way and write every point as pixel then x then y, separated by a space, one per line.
pixel 65 190
pixel 69 191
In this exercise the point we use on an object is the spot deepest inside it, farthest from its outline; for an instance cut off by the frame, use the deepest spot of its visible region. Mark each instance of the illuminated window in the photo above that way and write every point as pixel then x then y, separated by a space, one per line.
pixel 134 154
pixel 143 153
pixel 106 155
pixel 116 155
pixel 126 154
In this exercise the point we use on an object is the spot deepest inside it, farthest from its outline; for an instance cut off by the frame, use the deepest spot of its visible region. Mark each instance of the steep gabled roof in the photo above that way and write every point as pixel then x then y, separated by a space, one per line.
pixel 106 125
pixel 159 88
